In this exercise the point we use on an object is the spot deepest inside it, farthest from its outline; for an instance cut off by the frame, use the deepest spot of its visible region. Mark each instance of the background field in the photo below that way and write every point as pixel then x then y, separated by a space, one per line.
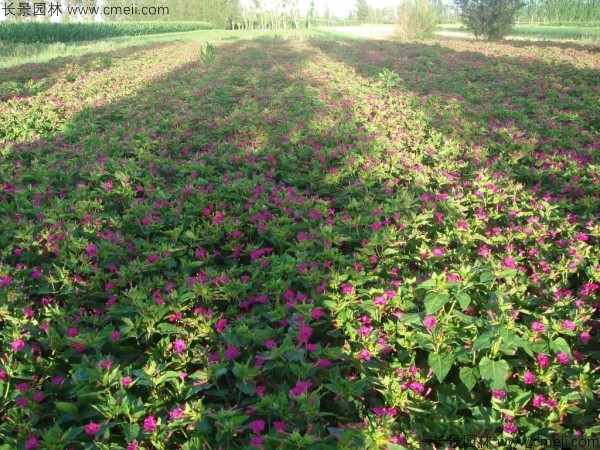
pixel 307 240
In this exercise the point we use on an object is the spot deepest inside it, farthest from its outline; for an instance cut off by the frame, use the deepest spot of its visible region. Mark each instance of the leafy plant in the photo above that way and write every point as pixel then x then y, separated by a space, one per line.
pixel 389 78
pixel 416 19
pixel 491 19
pixel 207 55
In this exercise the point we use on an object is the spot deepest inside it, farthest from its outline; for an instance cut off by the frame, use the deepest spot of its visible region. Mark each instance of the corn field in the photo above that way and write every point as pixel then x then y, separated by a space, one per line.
pixel 40 32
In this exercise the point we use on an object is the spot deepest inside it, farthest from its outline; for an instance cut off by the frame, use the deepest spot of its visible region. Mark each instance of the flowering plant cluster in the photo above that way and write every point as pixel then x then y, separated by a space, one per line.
pixel 282 251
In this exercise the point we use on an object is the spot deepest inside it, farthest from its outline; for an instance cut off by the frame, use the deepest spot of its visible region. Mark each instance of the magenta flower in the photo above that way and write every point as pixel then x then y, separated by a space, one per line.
pixel 177 413
pixel 538 327
pixel 528 378
pixel 543 360
pixel 585 337
pixel 179 345
pixel 150 424
pixel 257 426
pixel 439 252
pixel 256 441
pixel 279 426
pixel 32 443
pixel 429 322
pixel 126 381
pixel 231 353
pixel 509 262
pixel 304 334
pixel 500 394
pixel 417 387
pixel 563 358
pixel 364 354
pixel 300 388
pixel 316 314
pixel 17 345
pixel 92 428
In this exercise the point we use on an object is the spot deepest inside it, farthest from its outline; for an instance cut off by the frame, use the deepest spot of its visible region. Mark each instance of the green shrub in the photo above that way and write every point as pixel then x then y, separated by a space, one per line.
pixel 491 19
pixel 417 19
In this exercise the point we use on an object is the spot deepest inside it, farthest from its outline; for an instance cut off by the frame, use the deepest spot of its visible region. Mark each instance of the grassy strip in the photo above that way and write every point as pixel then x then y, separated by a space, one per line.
pixel 44 32
pixel 17 54
pixel 544 32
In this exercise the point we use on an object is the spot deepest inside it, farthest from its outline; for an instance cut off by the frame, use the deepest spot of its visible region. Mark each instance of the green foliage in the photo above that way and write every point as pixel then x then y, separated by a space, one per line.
pixel 312 245
pixel 46 32
pixel 490 19
pixel 207 54
pixel 389 78
pixel 416 19
pixel 362 10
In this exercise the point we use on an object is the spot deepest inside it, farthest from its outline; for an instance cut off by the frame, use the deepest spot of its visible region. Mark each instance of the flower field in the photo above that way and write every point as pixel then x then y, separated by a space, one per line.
pixel 307 244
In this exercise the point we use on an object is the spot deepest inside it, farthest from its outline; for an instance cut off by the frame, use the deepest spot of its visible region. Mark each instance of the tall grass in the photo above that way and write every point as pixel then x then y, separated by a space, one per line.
pixel 44 32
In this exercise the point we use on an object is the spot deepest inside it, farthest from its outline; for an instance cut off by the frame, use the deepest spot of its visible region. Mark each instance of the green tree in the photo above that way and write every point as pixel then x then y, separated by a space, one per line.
pixel 362 10
pixel 491 19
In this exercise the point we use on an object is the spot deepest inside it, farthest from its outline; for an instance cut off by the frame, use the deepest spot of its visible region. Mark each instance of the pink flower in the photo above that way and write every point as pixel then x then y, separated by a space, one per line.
pixel 38 396
pixel 528 378
pixel 92 428
pixel 563 358
pixel 221 325
pixel 231 353
pixel 257 426
pixel 256 441
pixel 509 262
pixel 300 388
pixel 176 413
pixel 500 394
pixel 585 337
pixel 429 323
pixel 380 301
pixel 126 381
pixel 417 387
pixel 150 424
pixel 279 426
pixel 316 314
pixel 179 345
pixel 538 401
pixel 304 334
pixel 543 360
pixel 510 428
pixel 538 327
pixel 17 345
pixel 364 354
pixel 32 443
pixel 439 252
pixel 91 250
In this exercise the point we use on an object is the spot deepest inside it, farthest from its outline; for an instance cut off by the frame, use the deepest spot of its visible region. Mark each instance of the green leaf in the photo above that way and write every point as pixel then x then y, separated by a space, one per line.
pixel 493 372
pixel 559 345
pixel 435 301
pixel 389 251
pixel 486 277
pixel 469 376
pixel 464 300
pixel 441 364
pixel 131 431
pixel 67 408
